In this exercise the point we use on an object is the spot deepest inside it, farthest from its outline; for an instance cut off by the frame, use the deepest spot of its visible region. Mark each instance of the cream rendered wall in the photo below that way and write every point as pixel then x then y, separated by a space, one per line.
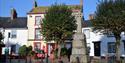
pixel 31 24
pixel 31 29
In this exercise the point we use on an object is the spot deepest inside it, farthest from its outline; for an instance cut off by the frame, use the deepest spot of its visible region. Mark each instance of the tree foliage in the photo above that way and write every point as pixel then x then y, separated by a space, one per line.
pixel 110 16
pixel 58 23
pixel 23 50
pixel 1 37
pixel 64 51
pixel 30 52
pixel 29 48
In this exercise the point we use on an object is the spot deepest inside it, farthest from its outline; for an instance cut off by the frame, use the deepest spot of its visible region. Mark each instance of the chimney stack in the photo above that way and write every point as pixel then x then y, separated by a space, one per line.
pixel 13 14
pixel 34 4
pixel 91 16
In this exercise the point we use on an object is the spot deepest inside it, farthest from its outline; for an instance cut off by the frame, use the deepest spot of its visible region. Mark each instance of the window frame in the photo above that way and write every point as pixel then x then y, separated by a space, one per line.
pixel 111 48
pixel 13 34
pixel 35 45
pixel 36 34
pixel 36 20
pixel 123 44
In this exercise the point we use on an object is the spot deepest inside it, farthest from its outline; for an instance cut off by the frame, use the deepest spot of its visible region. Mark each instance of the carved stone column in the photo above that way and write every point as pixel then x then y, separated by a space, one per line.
pixel 79 51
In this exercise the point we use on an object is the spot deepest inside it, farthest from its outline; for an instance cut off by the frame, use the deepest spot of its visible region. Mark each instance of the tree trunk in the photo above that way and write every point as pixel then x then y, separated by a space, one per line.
pixel 19 59
pixel 118 50
pixel 26 59
pixel 30 60
pixel 59 50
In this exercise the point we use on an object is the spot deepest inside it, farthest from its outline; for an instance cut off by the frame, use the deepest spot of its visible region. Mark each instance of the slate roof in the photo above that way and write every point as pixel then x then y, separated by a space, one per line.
pixel 43 9
pixel 19 22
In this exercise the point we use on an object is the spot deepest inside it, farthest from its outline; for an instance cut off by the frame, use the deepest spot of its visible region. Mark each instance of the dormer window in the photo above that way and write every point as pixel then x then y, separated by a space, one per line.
pixel 38 20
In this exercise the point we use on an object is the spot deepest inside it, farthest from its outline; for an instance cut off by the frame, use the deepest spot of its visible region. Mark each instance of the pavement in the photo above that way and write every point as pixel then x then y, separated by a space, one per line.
pixel 62 60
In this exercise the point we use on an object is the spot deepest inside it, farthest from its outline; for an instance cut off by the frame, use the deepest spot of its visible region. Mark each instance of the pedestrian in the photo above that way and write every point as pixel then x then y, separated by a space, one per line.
pixel 60 60
pixel 46 58
pixel 69 53
pixel 52 57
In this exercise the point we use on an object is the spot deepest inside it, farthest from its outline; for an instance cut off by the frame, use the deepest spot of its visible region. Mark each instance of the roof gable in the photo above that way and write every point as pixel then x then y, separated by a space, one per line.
pixel 43 9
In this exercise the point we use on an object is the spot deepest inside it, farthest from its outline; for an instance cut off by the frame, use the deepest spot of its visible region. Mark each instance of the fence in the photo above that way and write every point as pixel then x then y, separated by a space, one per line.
pixel 111 59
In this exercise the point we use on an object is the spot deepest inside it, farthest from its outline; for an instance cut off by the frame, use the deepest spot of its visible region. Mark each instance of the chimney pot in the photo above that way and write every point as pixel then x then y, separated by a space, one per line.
pixel 91 16
pixel 13 14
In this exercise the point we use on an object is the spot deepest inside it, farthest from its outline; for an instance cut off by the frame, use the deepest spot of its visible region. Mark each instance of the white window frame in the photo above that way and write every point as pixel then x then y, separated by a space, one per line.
pixel 111 45
pixel 13 34
pixel 37 34
pixel 38 20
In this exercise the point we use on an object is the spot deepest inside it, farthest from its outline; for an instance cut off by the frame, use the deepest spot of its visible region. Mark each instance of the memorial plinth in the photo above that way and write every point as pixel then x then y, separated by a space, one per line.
pixel 79 54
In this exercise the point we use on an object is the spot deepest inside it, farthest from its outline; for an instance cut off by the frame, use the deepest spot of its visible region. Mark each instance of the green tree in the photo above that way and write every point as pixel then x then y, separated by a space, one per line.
pixel 1 44
pixel 23 50
pixel 110 17
pixel 58 24
pixel 29 49
pixel 1 37
pixel 26 51
pixel 64 51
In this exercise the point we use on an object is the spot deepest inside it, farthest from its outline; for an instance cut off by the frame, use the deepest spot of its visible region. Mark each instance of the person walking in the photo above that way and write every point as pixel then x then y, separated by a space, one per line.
pixel 52 57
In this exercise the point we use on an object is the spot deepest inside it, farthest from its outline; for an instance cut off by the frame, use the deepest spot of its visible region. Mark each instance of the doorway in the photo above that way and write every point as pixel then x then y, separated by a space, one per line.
pixel 97 48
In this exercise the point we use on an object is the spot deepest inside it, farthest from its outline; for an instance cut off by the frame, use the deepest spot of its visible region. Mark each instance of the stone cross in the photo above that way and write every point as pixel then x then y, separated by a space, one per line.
pixel 79 52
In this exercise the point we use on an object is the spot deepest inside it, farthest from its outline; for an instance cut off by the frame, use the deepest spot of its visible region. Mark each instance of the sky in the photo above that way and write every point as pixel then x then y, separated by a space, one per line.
pixel 24 6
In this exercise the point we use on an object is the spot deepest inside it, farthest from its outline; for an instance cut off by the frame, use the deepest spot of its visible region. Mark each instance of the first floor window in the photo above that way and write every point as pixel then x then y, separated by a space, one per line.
pixel 38 20
pixel 111 47
pixel 37 33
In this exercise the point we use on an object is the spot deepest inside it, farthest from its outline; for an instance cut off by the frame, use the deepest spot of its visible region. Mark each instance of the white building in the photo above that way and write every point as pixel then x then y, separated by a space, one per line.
pixel 15 31
pixel 18 37
pixel 100 44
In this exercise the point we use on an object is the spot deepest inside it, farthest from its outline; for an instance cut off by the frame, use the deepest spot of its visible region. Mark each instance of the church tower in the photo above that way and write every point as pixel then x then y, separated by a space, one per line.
pixel 79 51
